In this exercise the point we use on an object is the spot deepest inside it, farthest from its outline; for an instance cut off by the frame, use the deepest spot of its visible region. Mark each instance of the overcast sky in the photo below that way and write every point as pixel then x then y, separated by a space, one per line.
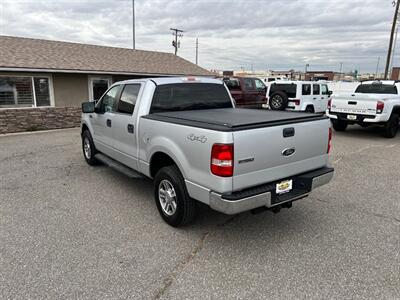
pixel 265 34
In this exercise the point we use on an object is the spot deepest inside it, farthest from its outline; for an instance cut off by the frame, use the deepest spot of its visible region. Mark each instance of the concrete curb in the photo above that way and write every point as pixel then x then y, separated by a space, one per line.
pixel 37 132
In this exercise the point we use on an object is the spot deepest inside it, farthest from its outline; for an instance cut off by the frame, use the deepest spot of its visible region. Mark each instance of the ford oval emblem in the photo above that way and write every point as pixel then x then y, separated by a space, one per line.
pixel 288 151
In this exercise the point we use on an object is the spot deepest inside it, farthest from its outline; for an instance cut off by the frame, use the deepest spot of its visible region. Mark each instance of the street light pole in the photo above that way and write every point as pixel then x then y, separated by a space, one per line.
pixel 305 73
pixel 133 25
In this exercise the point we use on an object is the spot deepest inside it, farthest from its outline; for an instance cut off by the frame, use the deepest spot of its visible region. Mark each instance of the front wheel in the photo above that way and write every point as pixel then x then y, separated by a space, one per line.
pixel 339 125
pixel 88 148
pixel 172 200
pixel 392 126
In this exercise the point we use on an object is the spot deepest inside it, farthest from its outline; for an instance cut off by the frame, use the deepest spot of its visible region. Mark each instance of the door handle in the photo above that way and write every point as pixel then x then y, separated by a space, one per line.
pixel 131 128
pixel 322 97
pixel 108 123
pixel 314 98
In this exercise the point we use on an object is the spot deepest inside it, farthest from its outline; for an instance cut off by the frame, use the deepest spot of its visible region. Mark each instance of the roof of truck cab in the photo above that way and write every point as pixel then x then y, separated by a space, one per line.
pixel 172 80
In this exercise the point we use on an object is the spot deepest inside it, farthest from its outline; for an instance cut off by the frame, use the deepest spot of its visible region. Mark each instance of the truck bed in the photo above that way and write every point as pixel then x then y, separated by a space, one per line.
pixel 233 119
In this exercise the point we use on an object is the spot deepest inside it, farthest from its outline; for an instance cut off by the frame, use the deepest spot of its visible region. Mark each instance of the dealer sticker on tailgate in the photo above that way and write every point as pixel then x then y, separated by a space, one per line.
pixel 284 186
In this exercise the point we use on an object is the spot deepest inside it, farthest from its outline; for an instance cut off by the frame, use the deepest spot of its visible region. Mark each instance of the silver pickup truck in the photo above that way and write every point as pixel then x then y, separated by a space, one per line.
pixel 187 135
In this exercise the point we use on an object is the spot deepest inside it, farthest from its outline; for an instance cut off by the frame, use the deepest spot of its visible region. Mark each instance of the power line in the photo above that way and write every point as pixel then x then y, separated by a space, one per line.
pixel 389 54
pixel 175 43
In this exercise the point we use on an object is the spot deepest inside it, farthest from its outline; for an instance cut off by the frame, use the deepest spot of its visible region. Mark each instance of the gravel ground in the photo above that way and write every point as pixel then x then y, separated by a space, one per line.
pixel 68 230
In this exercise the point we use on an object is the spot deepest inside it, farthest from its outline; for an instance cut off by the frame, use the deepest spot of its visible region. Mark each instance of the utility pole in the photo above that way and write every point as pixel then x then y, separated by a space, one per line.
pixel 377 67
pixel 389 54
pixel 340 72
pixel 175 43
pixel 197 51
pixel 394 47
pixel 133 25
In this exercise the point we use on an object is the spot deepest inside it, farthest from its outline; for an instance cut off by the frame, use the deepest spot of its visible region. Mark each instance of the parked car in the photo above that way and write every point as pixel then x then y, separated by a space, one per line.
pixel 247 91
pixel 187 135
pixel 306 96
pixel 372 103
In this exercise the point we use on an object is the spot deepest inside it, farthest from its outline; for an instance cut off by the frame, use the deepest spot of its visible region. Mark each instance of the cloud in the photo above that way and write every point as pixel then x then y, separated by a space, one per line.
pixel 274 34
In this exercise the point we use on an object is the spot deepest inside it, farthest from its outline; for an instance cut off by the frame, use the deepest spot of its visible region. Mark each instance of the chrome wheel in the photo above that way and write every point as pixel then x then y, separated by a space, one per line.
pixel 86 148
pixel 276 101
pixel 167 197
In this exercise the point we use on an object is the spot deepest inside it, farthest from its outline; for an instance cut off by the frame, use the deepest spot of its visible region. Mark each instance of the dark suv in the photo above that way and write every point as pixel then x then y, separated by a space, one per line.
pixel 247 91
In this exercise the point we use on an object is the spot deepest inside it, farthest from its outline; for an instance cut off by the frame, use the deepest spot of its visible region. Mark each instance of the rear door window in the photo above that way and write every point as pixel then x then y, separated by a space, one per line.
pixel 289 88
pixel 376 88
pixel 249 84
pixel 232 83
pixel 306 89
pixel 316 89
pixel 128 98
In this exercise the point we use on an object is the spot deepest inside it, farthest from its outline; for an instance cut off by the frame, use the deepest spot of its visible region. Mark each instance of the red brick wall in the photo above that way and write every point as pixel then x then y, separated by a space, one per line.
pixel 32 119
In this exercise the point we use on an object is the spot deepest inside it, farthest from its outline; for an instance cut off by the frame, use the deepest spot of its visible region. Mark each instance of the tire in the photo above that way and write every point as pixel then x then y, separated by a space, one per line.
pixel 391 127
pixel 278 101
pixel 310 109
pixel 174 204
pixel 88 148
pixel 339 125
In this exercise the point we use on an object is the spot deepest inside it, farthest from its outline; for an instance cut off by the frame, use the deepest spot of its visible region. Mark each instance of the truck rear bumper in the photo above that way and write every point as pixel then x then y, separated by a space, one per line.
pixel 360 118
pixel 265 196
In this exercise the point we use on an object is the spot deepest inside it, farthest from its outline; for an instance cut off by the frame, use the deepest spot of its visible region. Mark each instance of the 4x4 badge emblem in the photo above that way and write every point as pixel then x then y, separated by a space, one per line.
pixel 197 138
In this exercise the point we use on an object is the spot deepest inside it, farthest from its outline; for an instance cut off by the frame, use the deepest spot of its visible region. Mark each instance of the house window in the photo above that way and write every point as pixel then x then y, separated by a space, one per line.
pixel 22 91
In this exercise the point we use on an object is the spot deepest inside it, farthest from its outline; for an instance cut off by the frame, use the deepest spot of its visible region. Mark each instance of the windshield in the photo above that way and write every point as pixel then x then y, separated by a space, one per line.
pixel 376 89
pixel 190 96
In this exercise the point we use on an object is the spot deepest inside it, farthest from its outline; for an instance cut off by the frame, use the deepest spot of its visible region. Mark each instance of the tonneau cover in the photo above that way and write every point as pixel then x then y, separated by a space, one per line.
pixel 233 119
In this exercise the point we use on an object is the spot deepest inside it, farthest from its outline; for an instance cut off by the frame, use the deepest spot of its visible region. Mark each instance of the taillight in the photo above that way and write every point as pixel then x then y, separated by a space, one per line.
pixel 329 140
pixel 222 160
pixel 329 104
pixel 380 105
pixel 296 101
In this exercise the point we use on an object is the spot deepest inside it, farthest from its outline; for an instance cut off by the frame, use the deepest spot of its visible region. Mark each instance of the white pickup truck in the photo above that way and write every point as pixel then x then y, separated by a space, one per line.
pixel 372 103
pixel 187 135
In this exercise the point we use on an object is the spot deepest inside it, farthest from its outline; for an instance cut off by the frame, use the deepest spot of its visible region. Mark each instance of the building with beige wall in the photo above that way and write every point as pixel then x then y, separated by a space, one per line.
pixel 37 74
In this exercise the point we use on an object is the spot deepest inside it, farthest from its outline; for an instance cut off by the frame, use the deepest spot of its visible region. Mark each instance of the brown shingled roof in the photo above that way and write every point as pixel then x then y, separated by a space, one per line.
pixel 16 52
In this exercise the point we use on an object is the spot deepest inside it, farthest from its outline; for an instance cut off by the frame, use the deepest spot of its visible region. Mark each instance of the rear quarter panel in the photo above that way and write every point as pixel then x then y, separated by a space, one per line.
pixel 191 155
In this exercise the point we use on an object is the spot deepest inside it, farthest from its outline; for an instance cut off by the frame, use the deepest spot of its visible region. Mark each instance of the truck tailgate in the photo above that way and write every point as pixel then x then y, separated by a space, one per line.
pixel 260 153
pixel 355 104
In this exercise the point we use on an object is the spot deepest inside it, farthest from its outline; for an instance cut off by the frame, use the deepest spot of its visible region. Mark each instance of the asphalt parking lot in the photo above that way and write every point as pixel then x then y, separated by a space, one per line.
pixel 69 230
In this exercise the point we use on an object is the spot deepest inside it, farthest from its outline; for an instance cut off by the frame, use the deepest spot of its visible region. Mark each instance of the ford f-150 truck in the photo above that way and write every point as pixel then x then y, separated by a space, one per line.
pixel 187 135
pixel 372 103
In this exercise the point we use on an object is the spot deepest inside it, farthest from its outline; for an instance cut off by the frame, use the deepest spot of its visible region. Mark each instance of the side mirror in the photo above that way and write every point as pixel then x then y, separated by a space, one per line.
pixel 88 107
pixel 330 93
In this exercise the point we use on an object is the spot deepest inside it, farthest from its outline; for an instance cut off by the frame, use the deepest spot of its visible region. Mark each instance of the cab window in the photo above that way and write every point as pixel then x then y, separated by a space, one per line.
pixel 260 86
pixel 306 89
pixel 324 89
pixel 315 89
pixel 128 98
pixel 108 101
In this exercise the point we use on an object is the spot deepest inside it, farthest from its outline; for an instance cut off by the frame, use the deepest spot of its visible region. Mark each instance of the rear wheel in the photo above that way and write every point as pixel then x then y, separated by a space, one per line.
pixel 392 126
pixel 339 125
pixel 172 200
pixel 310 109
pixel 278 101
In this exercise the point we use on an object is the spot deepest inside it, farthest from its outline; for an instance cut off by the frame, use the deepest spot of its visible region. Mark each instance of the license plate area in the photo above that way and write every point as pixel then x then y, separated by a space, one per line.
pixel 284 187
pixel 352 117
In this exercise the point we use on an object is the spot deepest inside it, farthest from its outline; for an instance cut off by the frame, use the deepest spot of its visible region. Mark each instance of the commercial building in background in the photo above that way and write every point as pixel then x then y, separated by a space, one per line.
pixel 43 83
pixel 320 75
